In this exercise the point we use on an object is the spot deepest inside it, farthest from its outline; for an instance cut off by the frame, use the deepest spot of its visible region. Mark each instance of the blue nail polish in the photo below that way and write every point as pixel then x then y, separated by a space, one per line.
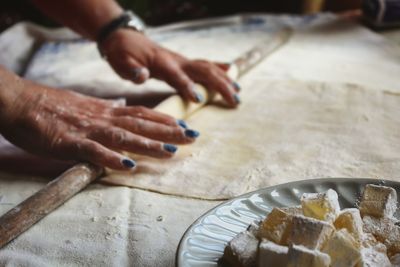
pixel 237 86
pixel 170 148
pixel 199 98
pixel 128 163
pixel 237 98
pixel 182 123
pixel 192 133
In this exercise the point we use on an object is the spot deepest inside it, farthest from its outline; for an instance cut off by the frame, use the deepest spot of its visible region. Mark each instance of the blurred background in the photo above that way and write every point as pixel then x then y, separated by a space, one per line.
pixel 158 12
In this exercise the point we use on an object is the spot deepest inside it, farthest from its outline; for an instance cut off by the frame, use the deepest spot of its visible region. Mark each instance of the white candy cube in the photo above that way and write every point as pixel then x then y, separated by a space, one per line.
pixel 300 256
pixel 343 249
pixel 350 219
pixel 371 257
pixel 241 251
pixel 271 254
pixel 378 201
pixel 276 226
pixel 385 230
pixel 322 206
pixel 368 240
pixel 309 232
pixel 395 260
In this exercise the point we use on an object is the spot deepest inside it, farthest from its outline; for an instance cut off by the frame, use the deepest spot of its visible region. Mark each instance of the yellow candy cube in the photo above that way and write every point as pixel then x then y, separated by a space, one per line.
pixel 322 206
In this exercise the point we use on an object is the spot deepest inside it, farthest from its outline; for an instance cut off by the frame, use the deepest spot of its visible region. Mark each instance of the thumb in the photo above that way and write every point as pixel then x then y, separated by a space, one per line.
pixel 130 69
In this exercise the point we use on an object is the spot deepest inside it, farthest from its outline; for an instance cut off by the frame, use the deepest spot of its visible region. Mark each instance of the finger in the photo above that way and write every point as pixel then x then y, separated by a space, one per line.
pixel 157 131
pixel 178 79
pixel 223 66
pixel 214 81
pixel 235 85
pixel 146 114
pixel 213 78
pixel 91 151
pixel 128 68
pixel 226 89
pixel 120 139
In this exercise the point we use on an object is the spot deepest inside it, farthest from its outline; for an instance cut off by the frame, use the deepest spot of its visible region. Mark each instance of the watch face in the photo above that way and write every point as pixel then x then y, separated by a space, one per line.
pixel 136 23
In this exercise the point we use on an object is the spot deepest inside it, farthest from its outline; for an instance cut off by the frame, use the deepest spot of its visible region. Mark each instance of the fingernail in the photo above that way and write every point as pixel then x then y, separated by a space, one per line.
pixel 128 163
pixel 140 73
pixel 237 86
pixel 136 73
pixel 182 123
pixel 199 98
pixel 237 98
pixel 170 148
pixel 192 133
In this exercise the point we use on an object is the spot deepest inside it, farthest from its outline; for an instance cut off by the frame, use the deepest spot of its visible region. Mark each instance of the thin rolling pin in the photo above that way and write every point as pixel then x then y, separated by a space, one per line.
pixel 57 192
pixel 54 194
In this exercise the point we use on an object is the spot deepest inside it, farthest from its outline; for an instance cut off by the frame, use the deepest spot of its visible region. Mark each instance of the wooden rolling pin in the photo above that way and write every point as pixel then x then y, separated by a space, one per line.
pixel 57 192
pixel 54 194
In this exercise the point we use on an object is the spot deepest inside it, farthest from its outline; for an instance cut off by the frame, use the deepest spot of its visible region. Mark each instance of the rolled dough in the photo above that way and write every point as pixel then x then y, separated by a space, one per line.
pixel 283 131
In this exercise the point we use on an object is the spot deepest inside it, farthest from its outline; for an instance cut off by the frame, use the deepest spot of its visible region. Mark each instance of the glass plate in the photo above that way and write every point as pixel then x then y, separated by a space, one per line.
pixel 204 242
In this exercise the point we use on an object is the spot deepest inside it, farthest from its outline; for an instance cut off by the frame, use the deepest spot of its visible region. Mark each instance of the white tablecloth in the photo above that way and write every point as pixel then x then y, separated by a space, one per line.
pixel 119 226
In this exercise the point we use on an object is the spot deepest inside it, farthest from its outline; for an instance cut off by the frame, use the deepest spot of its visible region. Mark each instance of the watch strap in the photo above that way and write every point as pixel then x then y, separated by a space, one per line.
pixel 126 20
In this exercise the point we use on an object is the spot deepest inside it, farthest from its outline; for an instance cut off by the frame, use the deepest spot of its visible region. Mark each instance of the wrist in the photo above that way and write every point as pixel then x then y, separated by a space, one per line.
pixel 126 20
pixel 129 44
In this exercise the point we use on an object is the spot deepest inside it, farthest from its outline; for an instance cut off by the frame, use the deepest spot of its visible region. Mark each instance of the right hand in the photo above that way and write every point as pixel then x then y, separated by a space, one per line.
pixel 136 58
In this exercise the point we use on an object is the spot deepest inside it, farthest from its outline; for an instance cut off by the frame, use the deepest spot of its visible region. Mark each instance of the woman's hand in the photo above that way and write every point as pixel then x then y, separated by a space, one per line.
pixel 135 57
pixel 67 125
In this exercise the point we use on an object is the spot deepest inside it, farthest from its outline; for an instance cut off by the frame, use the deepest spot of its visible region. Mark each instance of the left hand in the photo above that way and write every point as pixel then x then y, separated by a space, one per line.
pixel 135 57
pixel 69 126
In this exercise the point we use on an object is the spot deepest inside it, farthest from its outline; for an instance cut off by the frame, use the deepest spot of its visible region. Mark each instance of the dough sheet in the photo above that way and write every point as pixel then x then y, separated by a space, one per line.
pixel 283 131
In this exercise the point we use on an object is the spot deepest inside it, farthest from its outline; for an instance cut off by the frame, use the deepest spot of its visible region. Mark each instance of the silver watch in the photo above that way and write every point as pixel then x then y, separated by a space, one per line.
pixel 126 20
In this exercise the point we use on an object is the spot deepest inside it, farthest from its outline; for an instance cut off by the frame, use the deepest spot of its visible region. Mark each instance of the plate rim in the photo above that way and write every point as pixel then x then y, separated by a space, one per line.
pixel 313 180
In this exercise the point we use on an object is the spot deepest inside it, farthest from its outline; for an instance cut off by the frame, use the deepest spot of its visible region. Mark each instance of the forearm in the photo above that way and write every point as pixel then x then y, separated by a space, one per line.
pixel 11 86
pixel 83 16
